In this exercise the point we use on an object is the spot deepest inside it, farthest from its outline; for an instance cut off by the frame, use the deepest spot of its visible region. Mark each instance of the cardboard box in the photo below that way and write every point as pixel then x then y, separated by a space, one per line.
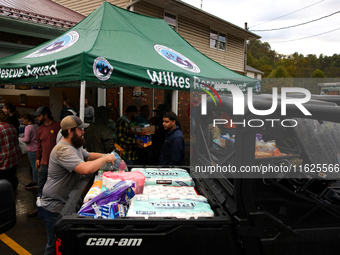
pixel 119 149
pixel 222 139
pixel 147 139
pixel 137 130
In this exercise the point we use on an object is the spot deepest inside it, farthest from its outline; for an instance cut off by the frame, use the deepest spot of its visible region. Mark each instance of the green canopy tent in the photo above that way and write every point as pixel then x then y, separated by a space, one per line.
pixel 114 47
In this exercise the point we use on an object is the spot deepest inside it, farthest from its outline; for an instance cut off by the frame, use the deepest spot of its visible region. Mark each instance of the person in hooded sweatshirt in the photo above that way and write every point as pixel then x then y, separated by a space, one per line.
pixel 173 149
pixel 99 136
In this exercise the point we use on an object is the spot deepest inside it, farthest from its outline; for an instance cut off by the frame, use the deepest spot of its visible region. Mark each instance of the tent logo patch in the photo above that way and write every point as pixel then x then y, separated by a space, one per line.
pixel 177 58
pixel 102 69
pixel 57 45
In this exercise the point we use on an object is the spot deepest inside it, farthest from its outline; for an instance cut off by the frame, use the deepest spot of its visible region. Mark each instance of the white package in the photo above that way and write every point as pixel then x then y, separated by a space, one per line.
pixel 179 207
pixel 164 190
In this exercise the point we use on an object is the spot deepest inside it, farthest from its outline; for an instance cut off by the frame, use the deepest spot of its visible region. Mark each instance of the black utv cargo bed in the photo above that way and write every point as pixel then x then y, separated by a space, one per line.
pixel 164 235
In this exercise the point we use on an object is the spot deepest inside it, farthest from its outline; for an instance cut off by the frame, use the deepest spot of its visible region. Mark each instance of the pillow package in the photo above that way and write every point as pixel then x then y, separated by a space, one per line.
pixel 109 204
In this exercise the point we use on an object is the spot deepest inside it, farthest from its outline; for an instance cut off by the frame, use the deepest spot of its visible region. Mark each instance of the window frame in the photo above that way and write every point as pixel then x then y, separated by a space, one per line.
pixel 217 39
pixel 175 27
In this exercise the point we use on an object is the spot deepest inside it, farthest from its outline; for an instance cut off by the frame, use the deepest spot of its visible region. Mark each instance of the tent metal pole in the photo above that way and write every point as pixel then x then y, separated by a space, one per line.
pixel 82 100
pixel 153 101
pixel 174 102
pixel 101 97
pixel 121 101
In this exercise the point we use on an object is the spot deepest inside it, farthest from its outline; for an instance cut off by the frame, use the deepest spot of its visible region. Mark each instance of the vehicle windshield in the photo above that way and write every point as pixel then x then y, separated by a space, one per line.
pixel 320 140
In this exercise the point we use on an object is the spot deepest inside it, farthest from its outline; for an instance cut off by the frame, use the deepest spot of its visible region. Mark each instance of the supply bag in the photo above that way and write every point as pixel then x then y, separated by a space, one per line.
pixel 109 204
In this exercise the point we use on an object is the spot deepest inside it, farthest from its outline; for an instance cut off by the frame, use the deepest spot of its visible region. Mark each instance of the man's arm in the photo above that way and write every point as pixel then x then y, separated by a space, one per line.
pixel 27 135
pixel 94 156
pixel 39 151
pixel 95 161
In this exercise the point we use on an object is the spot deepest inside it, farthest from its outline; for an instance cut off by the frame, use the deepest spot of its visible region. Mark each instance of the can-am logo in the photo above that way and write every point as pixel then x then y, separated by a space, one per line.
pixel 93 241
pixel 238 105
pixel 57 45
pixel 176 58
pixel 102 69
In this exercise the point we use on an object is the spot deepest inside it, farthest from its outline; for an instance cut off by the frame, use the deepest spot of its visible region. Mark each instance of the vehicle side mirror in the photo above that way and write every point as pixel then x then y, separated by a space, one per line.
pixel 7 207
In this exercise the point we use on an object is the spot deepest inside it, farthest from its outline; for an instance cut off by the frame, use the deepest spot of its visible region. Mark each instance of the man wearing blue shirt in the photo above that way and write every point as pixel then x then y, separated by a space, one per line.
pixel 173 150
pixel 144 113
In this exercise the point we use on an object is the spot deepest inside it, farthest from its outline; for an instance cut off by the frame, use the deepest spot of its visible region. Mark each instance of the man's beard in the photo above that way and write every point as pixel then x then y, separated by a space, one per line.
pixel 40 123
pixel 77 141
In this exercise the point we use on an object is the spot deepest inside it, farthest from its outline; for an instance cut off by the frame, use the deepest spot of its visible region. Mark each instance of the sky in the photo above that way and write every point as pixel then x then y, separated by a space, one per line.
pixel 270 14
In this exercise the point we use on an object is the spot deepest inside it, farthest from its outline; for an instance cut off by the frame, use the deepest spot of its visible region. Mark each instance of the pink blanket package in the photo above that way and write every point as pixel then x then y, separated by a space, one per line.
pixel 111 178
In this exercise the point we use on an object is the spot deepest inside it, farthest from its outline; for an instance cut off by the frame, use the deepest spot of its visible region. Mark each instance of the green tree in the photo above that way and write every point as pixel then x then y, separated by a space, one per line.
pixel 279 72
pixel 296 65
pixel 267 69
pixel 318 74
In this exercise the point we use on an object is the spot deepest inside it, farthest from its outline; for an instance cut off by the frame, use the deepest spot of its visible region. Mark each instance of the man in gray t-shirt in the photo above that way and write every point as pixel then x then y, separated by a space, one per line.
pixel 61 177
pixel 68 162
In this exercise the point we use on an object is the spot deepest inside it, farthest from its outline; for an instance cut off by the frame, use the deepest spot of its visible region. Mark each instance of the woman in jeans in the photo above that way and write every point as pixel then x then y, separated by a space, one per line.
pixel 30 139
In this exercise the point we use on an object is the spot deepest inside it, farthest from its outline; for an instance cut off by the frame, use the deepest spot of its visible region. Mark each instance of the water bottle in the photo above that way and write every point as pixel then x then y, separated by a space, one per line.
pixel 122 166
pixel 119 163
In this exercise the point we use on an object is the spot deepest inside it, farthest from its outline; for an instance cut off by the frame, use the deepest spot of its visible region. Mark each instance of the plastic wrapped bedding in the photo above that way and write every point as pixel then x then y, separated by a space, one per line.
pixel 169 206
pixel 166 176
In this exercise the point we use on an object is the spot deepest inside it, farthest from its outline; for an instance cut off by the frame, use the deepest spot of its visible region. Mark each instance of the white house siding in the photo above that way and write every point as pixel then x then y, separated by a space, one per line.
pixel 198 35
pixel 86 7
pixel 149 10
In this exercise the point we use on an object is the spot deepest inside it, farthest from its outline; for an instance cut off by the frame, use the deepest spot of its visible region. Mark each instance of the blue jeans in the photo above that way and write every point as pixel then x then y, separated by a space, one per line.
pixel 42 177
pixel 31 157
pixel 50 219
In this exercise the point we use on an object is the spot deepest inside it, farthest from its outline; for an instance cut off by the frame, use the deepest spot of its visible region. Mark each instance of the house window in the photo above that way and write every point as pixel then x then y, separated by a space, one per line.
pixel 218 40
pixel 255 76
pixel 171 20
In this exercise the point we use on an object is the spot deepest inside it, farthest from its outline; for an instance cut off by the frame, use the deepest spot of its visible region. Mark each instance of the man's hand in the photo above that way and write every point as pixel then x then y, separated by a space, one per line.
pixel 139 143
pixel 110 158
pixel 37 164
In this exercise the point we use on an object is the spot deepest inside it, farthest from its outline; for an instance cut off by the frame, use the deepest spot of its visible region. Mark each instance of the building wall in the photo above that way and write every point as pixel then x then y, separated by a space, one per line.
pixel 252 75
pixel 198 35
pixel 85 7
pixel 149 10
pixel 183 105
